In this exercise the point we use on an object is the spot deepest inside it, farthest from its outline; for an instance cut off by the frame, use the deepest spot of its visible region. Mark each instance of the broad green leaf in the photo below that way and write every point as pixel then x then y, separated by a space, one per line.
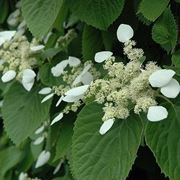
pixel 152 9
pixel 91 42
pixel 9 158
pixel 164 31
pixel 98 13
pixel 178 1
pixel 163 138
pixel 64 139
pixel 176 58
pixel 104 157
pixel 23 112
pixel 40 15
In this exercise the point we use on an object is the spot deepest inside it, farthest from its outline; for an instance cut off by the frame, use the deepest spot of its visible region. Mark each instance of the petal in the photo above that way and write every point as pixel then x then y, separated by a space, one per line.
pixel 106 126
pixel 23 176
pixel 1 41
pixel 102 56
pixel 73 61
pixel 87 78
pixel 43 158
pixel 7 35
pixel 28 75
pixel 45 90
pixel 57 118
pixel 49 96
pixel 39 130
pixel 59 101
pixel 59 68
pixel 39 140
pixel 77 91
pixel 58 167
pixel 124 33
pixel 157 113
pixel 37 48
pixel 71 99
pixel 172 89
pixel 8 76
pixel 28 85
pixel 161 77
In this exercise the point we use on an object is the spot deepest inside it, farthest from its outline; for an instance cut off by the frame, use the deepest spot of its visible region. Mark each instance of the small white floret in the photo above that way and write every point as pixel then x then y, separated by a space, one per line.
pixel 106 126
pixel 124 33
pixel 157 113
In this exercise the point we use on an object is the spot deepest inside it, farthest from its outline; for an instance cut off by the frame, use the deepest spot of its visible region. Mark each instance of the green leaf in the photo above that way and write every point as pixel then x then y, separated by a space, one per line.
pixel 4 10
pixel 104 157
pixel 152 9
pixel 23 112
pixel 9 158
pixel 91 42
pixel 164 31
pixel 164 141
pixel 64 139
pixel 176 58
pixel 98 13
pixel 40 15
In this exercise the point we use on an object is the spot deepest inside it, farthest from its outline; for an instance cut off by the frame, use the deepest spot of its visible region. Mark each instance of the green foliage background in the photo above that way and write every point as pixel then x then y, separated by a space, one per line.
pixel 86 154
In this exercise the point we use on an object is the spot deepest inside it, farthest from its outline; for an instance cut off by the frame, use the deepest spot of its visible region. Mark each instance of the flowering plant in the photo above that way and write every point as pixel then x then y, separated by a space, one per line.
pixel 89 90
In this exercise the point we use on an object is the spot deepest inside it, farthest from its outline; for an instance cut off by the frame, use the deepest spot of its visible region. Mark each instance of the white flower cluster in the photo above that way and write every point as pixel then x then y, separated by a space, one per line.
pixel 77 78
pixel 127 87
pixel 17 58
pixel 24 176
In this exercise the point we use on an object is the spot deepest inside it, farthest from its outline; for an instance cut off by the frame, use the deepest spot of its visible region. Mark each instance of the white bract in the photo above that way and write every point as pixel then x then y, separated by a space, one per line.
pixel 45 90
pixel 37 48
pixel 39 140
pixel 106 126
pixel 59 68
pixel 49 96
pixel 28 78
pixel 102 56
pixel 75 94
pixel 85 77
pixel 59 101
pixel 6 36
pixel 57 118
pixel 157 113
pixel 163 79
pixel 124 33
pixel 73 61
pixel 172 89
pixel 43 158
pixel 8 76
pixel 40 130
pixel 23 176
